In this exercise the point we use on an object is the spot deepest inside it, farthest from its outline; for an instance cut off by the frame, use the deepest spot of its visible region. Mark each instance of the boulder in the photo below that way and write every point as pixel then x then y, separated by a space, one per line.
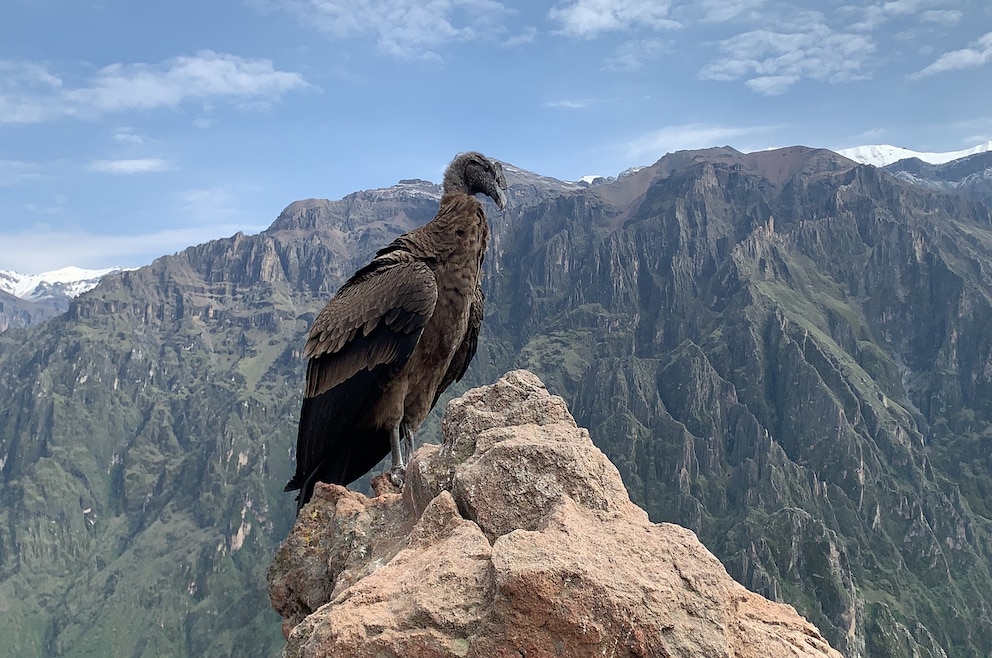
pixel 514 537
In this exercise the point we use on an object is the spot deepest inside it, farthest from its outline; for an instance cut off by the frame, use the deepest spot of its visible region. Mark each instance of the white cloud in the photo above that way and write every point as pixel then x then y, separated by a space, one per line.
pixel 688 136
pixel 408 29
pixel 589 18
pixel 771 61
pixel 131 166
pixel 977 54
pixel 208 74
pixel 30 93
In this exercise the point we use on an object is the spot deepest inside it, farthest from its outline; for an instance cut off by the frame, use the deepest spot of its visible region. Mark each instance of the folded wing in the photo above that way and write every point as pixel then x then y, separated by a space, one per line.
pixel 358 344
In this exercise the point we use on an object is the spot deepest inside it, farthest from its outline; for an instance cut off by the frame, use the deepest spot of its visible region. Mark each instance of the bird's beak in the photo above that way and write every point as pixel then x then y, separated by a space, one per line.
pixel 500 186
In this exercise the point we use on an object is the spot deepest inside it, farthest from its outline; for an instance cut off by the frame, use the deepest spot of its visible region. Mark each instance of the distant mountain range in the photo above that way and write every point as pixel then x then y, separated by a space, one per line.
pixel 27 299
pixel 881 155
pixel 970 177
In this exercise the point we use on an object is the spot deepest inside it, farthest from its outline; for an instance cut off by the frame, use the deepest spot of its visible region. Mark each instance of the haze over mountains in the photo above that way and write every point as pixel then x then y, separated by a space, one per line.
pixel 784 351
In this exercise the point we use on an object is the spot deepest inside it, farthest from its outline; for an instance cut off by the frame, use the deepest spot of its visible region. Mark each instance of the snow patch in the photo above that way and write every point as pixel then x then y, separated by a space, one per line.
pixel 884 154
pixel 66 282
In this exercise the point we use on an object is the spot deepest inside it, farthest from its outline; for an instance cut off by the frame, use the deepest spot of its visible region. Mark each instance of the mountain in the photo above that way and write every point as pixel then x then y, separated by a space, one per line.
pixel 786 352
pixel 881 155
pixel 28 299
pixel 970 176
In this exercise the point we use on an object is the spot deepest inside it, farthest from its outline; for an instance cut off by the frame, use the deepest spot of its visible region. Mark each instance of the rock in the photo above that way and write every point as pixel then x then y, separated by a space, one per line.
pixel 515 537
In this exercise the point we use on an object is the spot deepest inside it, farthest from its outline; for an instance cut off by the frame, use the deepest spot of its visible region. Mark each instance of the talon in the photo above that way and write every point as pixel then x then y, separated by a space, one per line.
pixel 397 475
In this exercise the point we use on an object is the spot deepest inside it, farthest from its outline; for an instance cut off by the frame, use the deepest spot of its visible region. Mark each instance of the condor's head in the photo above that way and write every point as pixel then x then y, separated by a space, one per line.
pixel 474 173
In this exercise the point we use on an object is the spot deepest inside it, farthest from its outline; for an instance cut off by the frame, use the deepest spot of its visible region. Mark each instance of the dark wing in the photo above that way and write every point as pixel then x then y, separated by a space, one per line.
pixel 357 344
pixel 466 351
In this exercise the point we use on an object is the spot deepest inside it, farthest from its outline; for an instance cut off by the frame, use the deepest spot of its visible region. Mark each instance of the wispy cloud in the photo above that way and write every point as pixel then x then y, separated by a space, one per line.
pixel 867 18
pixel 944 17
pixel 634 54
pixel 406 29
pixel 978 53
pixel 46 248
pixel 131 166
pixel 771 61
pixel 31 93
pixel 718 11
pixel 207 204
pixel 129 137
pixel 13 172
pixel 26 90
pixel 688 136
pixel 571 103
pixel 590 18
pixel 527 35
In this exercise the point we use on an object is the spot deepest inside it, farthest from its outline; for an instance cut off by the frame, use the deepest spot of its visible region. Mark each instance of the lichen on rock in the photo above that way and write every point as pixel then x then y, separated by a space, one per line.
pixel 514 537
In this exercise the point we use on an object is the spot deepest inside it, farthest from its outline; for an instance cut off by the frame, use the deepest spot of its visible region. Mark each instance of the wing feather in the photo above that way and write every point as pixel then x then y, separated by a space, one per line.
pixel 360 340
pixel 368 323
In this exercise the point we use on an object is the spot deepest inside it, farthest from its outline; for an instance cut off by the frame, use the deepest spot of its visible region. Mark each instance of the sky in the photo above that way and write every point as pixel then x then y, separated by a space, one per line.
pixel 130 130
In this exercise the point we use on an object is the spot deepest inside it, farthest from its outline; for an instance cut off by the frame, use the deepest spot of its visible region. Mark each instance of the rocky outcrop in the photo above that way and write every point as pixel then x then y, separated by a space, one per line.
pixel 515 537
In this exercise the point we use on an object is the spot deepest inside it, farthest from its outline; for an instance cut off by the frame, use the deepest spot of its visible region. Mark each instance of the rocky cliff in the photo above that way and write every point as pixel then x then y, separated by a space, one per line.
pixel 514 537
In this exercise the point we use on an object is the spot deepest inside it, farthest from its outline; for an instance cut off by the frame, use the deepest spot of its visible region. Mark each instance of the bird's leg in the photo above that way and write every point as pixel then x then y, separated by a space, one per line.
pixel 397 471
pixel 401 443
pixel 407 436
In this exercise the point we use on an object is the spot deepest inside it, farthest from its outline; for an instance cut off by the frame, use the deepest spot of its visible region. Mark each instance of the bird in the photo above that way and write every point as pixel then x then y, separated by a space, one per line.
pixel 400 331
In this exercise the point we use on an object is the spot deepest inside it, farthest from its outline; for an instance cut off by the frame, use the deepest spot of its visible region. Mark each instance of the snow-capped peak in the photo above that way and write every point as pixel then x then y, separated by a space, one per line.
pixel 66 282
pixel 884 154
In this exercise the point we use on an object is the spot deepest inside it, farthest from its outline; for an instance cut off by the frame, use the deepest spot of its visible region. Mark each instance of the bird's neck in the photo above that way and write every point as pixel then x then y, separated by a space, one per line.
pixel 460 215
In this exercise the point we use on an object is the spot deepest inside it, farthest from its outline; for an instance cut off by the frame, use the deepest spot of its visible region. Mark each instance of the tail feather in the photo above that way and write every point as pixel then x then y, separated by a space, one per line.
pixel 365 448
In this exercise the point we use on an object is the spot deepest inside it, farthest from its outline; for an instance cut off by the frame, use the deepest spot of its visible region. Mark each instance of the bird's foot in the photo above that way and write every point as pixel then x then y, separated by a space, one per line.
pixel 397 475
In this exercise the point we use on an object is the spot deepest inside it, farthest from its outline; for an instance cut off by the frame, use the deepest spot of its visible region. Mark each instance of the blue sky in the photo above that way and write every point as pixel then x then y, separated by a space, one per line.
pixel 129 129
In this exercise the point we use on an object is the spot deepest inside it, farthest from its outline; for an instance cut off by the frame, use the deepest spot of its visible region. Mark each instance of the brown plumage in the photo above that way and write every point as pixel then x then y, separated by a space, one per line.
pixel 395 336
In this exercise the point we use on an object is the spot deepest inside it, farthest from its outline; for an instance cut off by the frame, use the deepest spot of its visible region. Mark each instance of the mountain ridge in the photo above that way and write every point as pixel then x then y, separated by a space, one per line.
pixel 771 346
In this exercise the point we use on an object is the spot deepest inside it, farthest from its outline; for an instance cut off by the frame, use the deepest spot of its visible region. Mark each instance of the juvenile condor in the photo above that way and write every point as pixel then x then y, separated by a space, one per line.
pixel 395 336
